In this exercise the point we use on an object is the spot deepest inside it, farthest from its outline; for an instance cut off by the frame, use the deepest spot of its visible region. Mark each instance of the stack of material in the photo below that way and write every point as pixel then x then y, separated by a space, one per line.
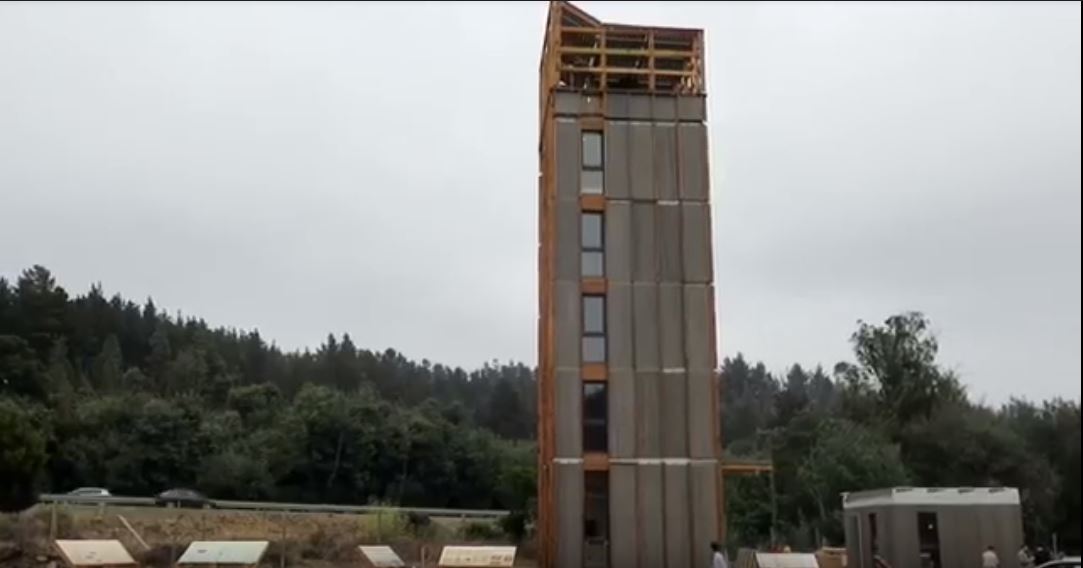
pixel 831 557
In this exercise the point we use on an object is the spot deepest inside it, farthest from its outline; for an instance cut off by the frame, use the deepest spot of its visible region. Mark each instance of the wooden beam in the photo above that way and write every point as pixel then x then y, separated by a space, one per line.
pixel 594 372
pixel 595 461
pixel 736 467
pixel 663 53
pixel 627 71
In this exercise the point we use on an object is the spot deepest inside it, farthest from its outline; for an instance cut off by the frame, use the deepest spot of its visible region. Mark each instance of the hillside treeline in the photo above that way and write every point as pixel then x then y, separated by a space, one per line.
pixel 103 391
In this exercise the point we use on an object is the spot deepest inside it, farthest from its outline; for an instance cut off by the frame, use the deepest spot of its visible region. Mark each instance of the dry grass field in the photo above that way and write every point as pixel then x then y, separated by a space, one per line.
pixel 304 540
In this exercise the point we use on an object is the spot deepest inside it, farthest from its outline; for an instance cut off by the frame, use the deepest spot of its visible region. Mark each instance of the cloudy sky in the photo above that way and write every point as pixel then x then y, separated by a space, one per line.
pixel 371 168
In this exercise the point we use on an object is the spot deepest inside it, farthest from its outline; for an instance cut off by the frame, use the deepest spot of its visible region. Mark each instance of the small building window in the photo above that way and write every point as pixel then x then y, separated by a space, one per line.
pixel 591 182
pixel 593 329
pixel 928 540
pixel 592 243
pixel 874 535
pixel 593 349
pixel 592 177
pixel 595 417
pixel 592 150
pixel 593 315
pixel 596 519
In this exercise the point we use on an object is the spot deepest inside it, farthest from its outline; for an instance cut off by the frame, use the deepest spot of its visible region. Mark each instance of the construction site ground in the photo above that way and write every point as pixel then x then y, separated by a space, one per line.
pixel 305 540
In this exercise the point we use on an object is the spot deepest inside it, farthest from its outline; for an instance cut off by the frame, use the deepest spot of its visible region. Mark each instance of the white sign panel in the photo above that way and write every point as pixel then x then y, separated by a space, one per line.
pixel 381 556
pixel 95 553
pixel 477 557
pixel 218 552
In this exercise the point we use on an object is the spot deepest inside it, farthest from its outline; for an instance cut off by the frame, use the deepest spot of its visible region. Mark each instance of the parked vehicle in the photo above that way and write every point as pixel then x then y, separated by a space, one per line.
pixel 90 492
pixel 183 498
pixel 1066 562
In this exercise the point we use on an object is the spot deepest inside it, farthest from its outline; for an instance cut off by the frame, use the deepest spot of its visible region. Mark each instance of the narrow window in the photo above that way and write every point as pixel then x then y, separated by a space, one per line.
pixel 591 182
pixel 928 540
pixel 591 179
pixel 592 150
pixel 874 539
pixel 595 417
pixel 593 329
pixel 596 519
pixel 592 229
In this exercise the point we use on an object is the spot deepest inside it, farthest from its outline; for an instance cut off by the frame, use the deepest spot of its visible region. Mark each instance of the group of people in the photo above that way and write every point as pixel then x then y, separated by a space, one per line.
pixel 1028 559
pixel 989 558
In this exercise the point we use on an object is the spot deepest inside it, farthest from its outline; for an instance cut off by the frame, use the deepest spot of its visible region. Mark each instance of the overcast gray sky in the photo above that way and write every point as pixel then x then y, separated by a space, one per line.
pixel 371 168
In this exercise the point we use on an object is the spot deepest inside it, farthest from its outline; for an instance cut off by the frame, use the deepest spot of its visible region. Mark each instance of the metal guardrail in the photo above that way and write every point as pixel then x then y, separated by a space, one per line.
pixel 281 507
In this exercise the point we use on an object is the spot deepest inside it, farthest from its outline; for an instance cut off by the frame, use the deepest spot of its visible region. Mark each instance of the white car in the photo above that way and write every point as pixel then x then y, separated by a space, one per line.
pixel 90 492
pixel 1066 562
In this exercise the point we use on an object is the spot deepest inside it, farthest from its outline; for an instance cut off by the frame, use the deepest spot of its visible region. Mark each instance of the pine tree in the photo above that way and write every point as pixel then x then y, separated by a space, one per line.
pixel 107 366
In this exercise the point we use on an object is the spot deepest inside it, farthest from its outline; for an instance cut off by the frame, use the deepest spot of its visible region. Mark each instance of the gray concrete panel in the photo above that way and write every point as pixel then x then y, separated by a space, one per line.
pixel 569 514
pixel 616 160
pixel 590 105
pixel 645 326
pixel 568 413
pixel 987 529
pixel 678 518
pixel 665 108
pixel 618 241
pixel 651 513
pixel 641 160
pixel 639 107
pixel 567 159
pixel 701 432
pixel 665 160
pixel 648 436
pixel 616 106
pixel 692 149
pixel 902 540
pixel 952 522
pixel 623 542
pixel 968 538
pixel 669 242
pixel 567 246
pixel 644 243
pixel 622 413
pixel 698 347
pixel 671 325
pixel 692 108
pixel 674 414
pixel 696 259
pixel 567 104
pixel 619 326
pixel 566 299
pixel 704 501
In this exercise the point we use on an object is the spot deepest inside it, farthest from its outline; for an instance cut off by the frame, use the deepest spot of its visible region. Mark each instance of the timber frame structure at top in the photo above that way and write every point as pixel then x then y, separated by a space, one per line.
pixel 581 53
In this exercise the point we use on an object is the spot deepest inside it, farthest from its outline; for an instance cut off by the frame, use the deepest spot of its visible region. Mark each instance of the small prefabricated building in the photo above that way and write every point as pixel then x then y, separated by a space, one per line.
pixel 931 528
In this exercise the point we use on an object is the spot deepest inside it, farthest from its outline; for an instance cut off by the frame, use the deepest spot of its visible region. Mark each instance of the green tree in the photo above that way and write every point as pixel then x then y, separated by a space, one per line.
pixel 896 367
pixel 60 375
pixel 187 373
pixel 160 353
pixel 846 457
pixel 23 437
pixel 257 405
pixel 41 309
pixel 107 366
pixel 20 371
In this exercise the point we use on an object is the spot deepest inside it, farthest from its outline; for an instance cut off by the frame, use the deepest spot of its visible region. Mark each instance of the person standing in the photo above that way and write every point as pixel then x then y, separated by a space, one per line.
pixel 1025 558
pixel 718 559
pixel 989 558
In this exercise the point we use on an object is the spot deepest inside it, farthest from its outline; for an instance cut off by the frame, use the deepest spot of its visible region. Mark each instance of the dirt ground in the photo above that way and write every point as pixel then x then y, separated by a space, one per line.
pixel 302 540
